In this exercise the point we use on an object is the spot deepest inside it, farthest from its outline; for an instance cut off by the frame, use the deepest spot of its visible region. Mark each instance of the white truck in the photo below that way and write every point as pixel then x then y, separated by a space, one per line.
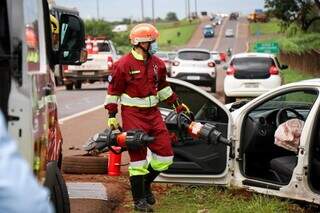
pixel 101 56
pixel 27 86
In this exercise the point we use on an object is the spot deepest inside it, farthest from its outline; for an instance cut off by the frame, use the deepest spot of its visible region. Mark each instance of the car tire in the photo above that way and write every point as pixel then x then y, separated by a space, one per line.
pixel 228 100
pixel 78 84
pixel 79 164
pixel 213 86
pixel 58 189
pixel 69 86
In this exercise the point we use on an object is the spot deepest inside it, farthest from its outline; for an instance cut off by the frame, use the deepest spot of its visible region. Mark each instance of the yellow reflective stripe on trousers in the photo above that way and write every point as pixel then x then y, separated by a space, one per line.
pixel 165 93
pixel 138 168
pixel 111 99
pixel 161 163
pixel 149 101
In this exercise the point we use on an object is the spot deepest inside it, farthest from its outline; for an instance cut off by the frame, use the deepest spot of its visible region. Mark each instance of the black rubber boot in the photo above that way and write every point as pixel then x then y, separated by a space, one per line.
pixel 148 180
pixel 138 194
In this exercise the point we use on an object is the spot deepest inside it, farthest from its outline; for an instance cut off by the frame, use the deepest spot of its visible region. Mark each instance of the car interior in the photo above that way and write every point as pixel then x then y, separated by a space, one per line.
pixel 195 156
pixel 260 157
pixel 4 59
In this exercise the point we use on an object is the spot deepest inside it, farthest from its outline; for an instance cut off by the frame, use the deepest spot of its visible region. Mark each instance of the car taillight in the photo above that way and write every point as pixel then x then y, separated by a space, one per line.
pixel 110 63
pixel 176 63
pixel 273 70
pixel 65 68
pixel 231 70
pixel 222 57
pixel 211 64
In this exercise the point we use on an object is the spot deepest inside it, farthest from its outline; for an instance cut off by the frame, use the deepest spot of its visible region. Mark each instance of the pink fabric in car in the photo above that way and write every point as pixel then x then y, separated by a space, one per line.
pixel 288 134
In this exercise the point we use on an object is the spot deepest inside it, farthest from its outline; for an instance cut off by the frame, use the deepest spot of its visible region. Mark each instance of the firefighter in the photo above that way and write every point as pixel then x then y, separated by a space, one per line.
pixel 139 83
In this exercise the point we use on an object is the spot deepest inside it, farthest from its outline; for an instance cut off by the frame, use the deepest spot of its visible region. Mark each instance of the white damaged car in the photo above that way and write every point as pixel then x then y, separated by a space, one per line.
pixel 253 161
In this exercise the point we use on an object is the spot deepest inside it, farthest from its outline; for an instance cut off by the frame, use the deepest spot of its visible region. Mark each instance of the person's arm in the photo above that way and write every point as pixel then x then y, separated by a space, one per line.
pixel 19 189
pixel 116 87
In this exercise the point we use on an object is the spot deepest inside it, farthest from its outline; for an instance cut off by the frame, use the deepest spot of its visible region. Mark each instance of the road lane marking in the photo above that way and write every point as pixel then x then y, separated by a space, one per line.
pixel 220 34
pixel 80 114
pixel 200 42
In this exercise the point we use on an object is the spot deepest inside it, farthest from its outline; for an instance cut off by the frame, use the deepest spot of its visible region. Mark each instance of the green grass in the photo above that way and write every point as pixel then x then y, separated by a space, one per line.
pixel 169 38
pixel 290 76
pixel 220 200
pixel 300 43
pixel 271 27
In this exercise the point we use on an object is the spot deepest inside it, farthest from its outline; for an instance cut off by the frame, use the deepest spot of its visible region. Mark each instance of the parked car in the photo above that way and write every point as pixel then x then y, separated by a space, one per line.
pixel 251 74
pixel 101 56
pixel 167 58
pixel 229 33
pixel 251 160
pixel 196 66
pixel 208 31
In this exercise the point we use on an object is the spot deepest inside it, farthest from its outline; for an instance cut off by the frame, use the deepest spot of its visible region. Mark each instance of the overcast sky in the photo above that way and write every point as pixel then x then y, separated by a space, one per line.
pixel 117 9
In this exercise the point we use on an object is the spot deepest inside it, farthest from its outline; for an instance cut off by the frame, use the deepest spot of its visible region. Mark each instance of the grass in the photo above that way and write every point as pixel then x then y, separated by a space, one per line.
pixel 301 43
pixel 169 38
pixel 271 27
pixel 290 76
pixel 220 200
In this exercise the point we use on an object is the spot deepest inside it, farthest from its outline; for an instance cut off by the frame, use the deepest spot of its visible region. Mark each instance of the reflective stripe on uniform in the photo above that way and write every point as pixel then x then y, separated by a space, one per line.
pixel 161 163
pixel 138 168
pixel 165 93
pixel 111 99
pixel 149 101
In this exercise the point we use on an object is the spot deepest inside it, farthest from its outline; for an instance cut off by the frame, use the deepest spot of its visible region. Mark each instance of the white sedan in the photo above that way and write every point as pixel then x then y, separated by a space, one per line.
pixel 251 74
pixel 252 160
pixel 195 66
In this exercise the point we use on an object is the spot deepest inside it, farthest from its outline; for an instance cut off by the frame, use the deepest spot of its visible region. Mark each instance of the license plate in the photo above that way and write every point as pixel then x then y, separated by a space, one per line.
pixel 251 85
pixel 88 73
pixel 193 77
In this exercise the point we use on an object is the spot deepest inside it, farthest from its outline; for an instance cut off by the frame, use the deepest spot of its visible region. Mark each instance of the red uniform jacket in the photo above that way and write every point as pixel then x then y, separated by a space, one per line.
pixel 138 78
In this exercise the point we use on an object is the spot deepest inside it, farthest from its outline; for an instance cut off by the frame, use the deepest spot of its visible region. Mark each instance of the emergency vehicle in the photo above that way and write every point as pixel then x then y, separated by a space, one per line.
pixel 27 89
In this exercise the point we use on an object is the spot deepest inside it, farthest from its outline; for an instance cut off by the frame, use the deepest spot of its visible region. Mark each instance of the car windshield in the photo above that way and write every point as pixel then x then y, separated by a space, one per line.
pixel 296 99
pixel 194 55
pixel 172 55
pixel 252 63
pixel 103 47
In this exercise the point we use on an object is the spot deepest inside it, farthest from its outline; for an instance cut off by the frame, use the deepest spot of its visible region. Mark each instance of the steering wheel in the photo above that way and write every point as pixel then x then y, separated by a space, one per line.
pixel 282 115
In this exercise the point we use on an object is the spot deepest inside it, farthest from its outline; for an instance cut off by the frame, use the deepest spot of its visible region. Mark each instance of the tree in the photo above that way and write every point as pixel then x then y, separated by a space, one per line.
pixel 302 12
pixel 171 16
pixel 98 28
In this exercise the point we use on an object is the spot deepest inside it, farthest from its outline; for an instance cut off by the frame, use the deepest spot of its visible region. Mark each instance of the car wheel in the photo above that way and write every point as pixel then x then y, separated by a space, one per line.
pixel 228 100
pixel 58 190
pixel 78 85
pixel 213 86
pixel 79 164
pixel 69 86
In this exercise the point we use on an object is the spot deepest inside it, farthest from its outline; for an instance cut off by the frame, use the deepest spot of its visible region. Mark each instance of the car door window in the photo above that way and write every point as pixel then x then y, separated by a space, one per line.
pixel 202 107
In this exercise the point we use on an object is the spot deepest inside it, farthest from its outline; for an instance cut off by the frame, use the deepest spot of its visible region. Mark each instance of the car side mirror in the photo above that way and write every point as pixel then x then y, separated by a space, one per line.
pixel 284 66
pixel 72 40
pixel 225 68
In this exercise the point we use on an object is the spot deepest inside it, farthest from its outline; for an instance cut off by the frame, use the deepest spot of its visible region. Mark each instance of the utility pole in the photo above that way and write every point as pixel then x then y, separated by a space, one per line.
pixel 189 10
pixel 196 8
pixel 186 8
pixel 98 10
pixel 142 11
pixel 153 18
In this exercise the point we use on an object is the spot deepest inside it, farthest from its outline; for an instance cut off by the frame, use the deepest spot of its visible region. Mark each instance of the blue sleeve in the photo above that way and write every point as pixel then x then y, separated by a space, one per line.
pixel 19 189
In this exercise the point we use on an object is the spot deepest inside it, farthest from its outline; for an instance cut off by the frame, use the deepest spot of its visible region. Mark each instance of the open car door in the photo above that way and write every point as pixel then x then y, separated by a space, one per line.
pixel 195 161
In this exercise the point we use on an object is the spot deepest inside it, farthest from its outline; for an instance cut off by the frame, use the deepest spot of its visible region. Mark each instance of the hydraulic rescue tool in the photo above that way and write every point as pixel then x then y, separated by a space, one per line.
pixel 207 132
pixel 133 139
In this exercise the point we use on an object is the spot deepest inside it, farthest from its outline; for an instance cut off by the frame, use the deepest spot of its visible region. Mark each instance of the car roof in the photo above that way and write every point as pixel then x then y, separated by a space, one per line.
pixel 193 50
pixel 254 54
pixel 214 52
pixel 207 26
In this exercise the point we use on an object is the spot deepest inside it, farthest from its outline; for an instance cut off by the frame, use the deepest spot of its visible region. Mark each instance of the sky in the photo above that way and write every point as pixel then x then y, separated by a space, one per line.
pixel 112 10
